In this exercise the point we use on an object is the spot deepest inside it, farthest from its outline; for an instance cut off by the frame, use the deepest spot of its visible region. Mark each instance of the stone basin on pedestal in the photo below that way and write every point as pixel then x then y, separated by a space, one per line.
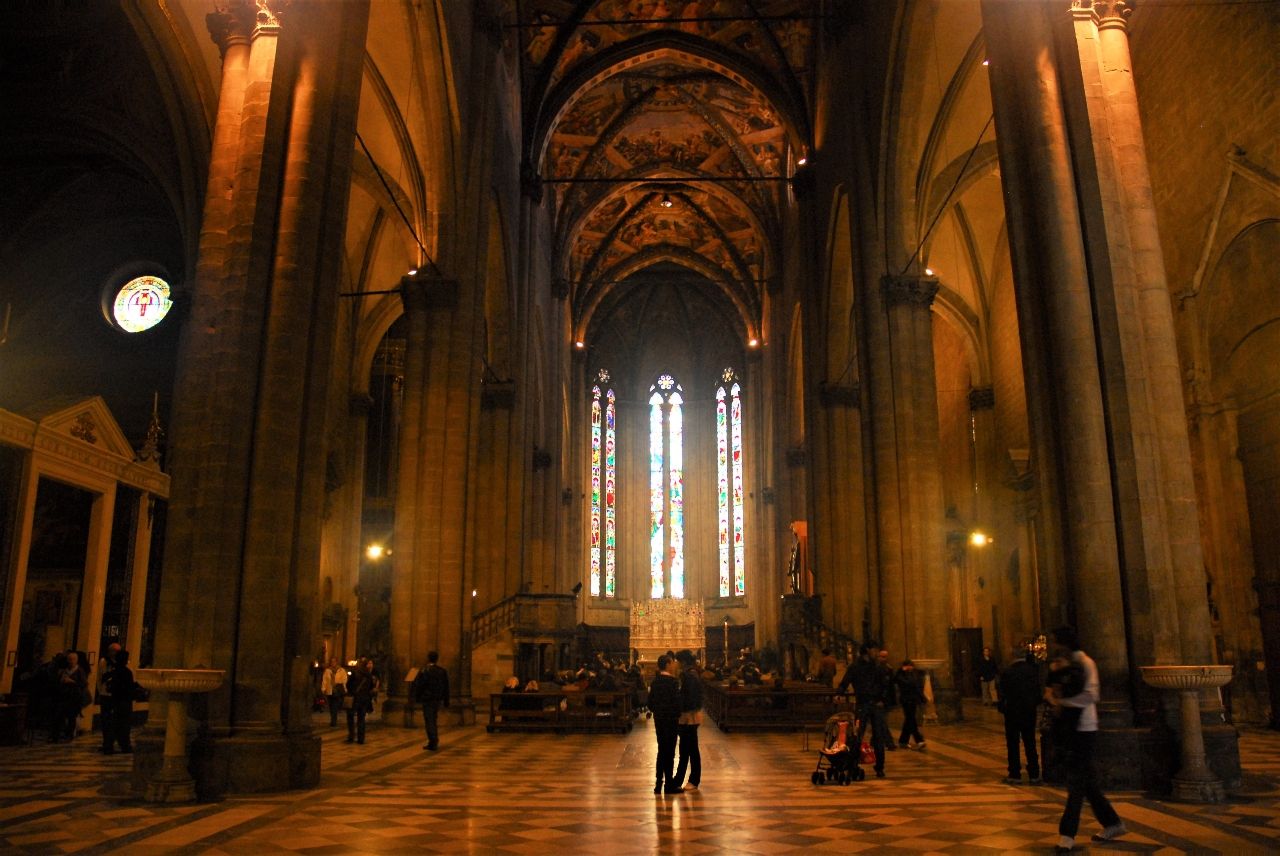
pixel 927 665
pixel 1195 782
pixel 173 783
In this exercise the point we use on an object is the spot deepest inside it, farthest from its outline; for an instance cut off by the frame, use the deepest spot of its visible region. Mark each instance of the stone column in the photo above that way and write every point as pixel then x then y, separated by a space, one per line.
pixel 838 473
pixel 239 590
pixel 16 578
pixel 93 594
pixel 428 591
pixel 1056 321
pixel 923 599
pixel 140 570
pixel 1166 490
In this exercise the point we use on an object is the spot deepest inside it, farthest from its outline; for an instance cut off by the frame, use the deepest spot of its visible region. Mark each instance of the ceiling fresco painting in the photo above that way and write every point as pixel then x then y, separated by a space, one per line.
pixel 668 132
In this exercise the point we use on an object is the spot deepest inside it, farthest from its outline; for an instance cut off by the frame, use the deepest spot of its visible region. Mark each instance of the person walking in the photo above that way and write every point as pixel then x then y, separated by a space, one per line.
pixel 361 686
pixel 1019 698
pixel 872 683
pixel 117 704
pixel 431 689
pixel 664 704
pixel 333 686
pixel 1082 781
pixel 690 719
pixel 988 673
pixel 909 683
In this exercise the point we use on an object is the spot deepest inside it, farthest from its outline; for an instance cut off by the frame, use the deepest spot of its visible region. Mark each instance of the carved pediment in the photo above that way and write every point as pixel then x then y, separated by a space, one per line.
pixel 86 420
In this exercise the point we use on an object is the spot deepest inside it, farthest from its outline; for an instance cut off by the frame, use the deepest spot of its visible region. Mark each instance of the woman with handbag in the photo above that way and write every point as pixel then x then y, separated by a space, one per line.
pixel 358 701
pixel 690 719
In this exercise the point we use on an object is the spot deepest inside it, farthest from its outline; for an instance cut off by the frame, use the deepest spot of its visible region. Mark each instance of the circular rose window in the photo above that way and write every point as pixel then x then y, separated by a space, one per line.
pixel 141 303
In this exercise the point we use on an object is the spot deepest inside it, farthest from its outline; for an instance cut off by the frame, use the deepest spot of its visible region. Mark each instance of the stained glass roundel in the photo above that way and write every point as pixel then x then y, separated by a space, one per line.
pixel 141 303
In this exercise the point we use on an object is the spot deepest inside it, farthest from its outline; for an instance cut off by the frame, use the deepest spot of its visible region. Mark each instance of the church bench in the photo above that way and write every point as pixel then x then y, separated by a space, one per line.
pixel 585 711
pixel 794 707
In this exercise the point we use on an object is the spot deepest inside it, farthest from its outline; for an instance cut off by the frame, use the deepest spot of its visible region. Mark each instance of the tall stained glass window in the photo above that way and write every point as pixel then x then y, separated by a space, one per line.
pixel 666 488
pixel 733 572
pixel 604 564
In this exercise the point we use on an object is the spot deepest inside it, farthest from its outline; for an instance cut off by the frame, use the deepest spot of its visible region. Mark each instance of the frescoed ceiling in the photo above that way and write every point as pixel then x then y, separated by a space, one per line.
pixel 666 131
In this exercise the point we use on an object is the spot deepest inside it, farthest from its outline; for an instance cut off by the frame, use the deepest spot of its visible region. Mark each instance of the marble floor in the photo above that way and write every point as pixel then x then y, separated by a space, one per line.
pixel 534 794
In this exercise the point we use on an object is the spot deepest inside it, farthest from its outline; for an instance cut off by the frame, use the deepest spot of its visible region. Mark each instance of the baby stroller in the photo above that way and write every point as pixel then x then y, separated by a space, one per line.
pixel 837 759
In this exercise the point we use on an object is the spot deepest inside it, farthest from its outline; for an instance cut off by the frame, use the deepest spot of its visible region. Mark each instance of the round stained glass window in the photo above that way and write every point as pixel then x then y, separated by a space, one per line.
pixel 141 303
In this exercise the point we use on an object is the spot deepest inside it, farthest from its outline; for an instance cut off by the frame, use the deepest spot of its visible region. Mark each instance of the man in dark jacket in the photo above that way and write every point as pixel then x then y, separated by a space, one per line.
pixel 872 682
pixel 1019 687
pixel 910 685
pixel 664 703
pixel 430 688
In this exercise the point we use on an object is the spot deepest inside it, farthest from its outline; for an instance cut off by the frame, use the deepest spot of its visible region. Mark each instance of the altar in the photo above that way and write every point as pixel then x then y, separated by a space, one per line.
pixel 666 624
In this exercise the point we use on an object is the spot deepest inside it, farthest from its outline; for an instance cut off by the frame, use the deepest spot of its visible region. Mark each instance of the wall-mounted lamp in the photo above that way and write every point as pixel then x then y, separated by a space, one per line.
pixel 376 551
pixel 579 344
pixel 753 343
pixel 980 539
pixel 928 271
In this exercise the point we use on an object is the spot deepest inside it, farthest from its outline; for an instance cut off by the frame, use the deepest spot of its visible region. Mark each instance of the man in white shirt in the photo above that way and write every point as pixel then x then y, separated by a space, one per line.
pixel 333 685
pixel 1082 780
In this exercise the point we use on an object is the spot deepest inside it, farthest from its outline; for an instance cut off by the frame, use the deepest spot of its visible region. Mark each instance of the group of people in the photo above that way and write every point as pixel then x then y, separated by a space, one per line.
pixel 356 691
pixel 58 693
pixel 1071 691
pixel 353 691
pixel 878 688
pixel 675 702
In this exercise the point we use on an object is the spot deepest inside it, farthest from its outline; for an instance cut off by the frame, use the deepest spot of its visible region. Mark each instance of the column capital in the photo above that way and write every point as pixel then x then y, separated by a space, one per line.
pixel 982 398
pixel 242 21
pixel 425 290
pixel 916 290
pixel 840 395
pixel 1106 13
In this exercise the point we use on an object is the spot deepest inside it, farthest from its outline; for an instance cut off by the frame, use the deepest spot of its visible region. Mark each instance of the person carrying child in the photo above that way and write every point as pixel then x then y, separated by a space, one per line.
pixel 1076 721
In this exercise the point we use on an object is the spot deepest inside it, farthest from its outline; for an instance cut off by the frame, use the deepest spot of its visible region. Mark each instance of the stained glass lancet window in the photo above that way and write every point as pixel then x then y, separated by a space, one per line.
pixel 729 493
pixel 666 488
pixel 604 577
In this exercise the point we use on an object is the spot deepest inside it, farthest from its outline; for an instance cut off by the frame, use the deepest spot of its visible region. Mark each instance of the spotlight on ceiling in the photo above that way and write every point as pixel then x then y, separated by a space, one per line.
pixel 986 62
pixel 666 201
pixel 980 539
pixel 752 343
pixel 413 271
pixel 579 345
pixel 375 551
pixel 803 160
pixel 928 271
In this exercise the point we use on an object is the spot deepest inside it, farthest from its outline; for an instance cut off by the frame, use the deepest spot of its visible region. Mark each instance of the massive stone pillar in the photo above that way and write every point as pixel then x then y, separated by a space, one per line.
pixel 1088 273
pixel 909 484
pixel 1055 313
pixel 430 588
pixel 1120 219
pixel 249 451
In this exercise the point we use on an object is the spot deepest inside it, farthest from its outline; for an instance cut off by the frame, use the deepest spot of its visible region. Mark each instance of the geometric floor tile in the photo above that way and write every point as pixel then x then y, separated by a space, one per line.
pixel 568 794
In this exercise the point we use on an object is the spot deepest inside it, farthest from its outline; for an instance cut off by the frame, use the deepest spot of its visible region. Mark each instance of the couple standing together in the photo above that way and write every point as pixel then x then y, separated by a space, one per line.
pixel 676 705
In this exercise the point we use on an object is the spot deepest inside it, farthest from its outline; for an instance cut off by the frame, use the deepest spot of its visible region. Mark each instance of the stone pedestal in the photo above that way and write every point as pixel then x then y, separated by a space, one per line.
pixel 945 707
pixel 1194 782
pixel 173 782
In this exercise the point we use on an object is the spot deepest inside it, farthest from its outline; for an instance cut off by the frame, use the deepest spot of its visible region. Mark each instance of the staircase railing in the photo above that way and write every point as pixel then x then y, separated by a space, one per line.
pixel 802 623
pixel 492 621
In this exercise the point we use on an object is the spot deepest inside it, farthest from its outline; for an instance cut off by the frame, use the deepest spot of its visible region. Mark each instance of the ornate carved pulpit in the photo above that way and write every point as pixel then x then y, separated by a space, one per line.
pixel 666 624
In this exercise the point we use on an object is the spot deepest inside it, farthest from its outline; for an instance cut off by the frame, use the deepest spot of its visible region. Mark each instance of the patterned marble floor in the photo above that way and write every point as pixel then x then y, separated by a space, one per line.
pixel 534 794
